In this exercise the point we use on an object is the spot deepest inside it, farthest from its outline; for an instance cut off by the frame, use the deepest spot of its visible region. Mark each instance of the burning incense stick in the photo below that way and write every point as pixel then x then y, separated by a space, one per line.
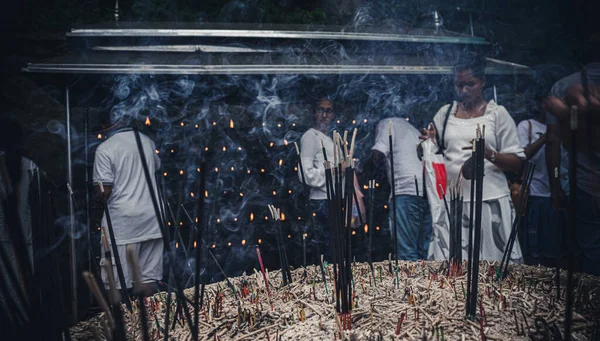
pixel 113 244
pixel 420 245
pixel 199 229
pixel 393 180
pixel 572 208
pixel 262 270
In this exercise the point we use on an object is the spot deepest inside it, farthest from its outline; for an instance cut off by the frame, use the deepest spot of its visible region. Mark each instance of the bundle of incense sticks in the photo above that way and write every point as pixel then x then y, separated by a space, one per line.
pixel 456 204
pixel 339 177
pixel 522 210
pixel 283 259
pixel 475 224
pixel 371 203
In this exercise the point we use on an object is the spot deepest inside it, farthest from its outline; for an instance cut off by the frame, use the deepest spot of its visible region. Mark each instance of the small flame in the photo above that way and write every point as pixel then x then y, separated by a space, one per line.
pixel 289 236
pixel 176 245
pixel 274 193
pixel 248 171
pixel 196 219
pixel 157 152
pixel 278 125
pixel 338 121
pixel 285 142
pixel 217 169
pixel 365 187
pixel 99 136
pixel 295 169
pixel 241 194
pixel 282 216
pixel 293 124
pixel 365 120
pixel 198 170
pixel 196 126
pixel 192 194
pixel 280 162
pixel 377 228
pixel 366 228
pixel 231 124
pixel 194 244
pixel 290 191
pixel 205 149
pixel 354 233
pixel 235 219
pixel 251 216
pixel 260 241
pixel 305 235
pixel 243 241
pixel 239 148
pixel 181 223
pixel 214 246
pixel 271 144
pixel 266 218
pixel 314 214
pixel 218 220
pixel 214 123
pixel 385 207
pixel 181 172
pixel 263 124
pixel 165 173
pixel 182 124
pixel 147 121
pixel 408 119
pixel 224 148
pixel 377 184
pixel 206 194
pixel 172 151
pixel 169 223
pixel 353 121
pixel 299 218
pixel 262 170
pixel 232 168
pixel 229 244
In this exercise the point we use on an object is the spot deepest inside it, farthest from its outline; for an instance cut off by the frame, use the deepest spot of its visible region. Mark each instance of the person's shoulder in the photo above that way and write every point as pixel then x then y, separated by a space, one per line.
pixel 497 109
pixel 309 135
pixel 443 110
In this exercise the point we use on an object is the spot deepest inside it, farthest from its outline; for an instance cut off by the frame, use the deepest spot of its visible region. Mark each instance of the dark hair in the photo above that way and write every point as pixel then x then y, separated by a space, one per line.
pixel 319 100
pixel 471 62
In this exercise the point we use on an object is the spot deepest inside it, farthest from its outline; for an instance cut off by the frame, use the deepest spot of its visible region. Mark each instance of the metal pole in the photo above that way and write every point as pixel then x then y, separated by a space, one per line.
pixel 73 247
pixel 86 123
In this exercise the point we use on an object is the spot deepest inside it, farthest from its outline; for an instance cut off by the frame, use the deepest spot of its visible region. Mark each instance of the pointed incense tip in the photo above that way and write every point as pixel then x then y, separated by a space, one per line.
pixel 390 128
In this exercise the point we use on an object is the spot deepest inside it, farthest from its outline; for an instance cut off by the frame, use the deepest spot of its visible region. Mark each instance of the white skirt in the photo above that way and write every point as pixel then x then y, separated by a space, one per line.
pixel 496 222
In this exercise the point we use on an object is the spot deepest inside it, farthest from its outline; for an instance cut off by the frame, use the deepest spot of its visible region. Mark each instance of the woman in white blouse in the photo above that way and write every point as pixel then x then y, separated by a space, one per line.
pixel 453 128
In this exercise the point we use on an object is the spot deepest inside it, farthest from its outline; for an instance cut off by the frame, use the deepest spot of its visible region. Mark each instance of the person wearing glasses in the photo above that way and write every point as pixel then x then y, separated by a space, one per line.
pixel 311 155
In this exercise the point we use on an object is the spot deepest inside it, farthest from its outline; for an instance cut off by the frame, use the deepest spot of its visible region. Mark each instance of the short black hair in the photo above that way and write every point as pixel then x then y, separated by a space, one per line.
pixel 471 62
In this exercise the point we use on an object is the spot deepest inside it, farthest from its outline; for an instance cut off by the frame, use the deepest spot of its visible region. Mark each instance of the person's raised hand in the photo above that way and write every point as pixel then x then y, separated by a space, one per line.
pixel 428 133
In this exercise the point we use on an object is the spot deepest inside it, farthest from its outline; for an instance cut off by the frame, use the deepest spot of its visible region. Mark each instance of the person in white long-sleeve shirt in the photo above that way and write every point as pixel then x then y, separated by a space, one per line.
pixel 311 155
pixel 453 129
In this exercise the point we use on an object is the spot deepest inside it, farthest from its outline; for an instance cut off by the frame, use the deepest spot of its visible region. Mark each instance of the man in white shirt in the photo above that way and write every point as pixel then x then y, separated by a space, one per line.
pixel 407 165
pixel 311 155
pixel 118 166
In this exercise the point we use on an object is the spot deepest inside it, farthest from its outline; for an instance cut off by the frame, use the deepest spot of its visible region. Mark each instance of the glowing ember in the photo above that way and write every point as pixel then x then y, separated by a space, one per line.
pixel 99 136
pixel 305 235
pixel 205 149
pixel 289 236
pixel 290 191
pixel 198 170
pixel 366 228
pixel 280 162
pixel 214 246
pixel 182 124
pixel 262 170
pixel 177 245
pixel 224 148
pixel 192 194
pixel 385 207
pixel 295 169
pixel 147 121
pixel 165 173
pixel 196 126
pixel 181 172
pixel 234 219
pixel 251 216
pixel 240 148
pixel 282 216
pixel 260 241
pixel 243 241
pixel 231 124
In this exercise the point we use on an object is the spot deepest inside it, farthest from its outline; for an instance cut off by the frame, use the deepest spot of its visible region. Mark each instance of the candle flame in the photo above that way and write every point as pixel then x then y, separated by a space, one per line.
pixel 196 219
pixel 366 228
pixel 224 148
pixel 217 169
pixel 365 187
pixel 181 172
pixel 99 136
pixel 251 216
pixel 243 241
pixel 260 241
pixel 285 142
pixel 280 162
pixel 194 244
pixel 165 173
pixel 295 169
pixel 290 191
pixel 377 228
pixel 241 194
pixel 271 144
pixel 157 152
pixel 192 194
pixel 169 223
pixel 182 124
pixel 262 170
pixel 274 193
pixel 206 194
pixel 289 236
pixel 231 124
pixel 218 220
pixel 229 244
pixel 282 216
pixel 232 168
pixel 354 233
pixel 235 219
pixel 147 121
pixel 205 149
pixel 176 245
pixel 214 246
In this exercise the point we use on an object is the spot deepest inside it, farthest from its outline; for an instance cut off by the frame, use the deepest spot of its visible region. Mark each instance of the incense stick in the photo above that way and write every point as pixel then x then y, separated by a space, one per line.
pixel 198 300
pixel 137 280
pixel 393 195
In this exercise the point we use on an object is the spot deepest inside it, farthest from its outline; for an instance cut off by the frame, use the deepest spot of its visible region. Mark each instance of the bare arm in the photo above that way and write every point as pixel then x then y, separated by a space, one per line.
pixel 533 148
pixel 506 162
pixel 107 192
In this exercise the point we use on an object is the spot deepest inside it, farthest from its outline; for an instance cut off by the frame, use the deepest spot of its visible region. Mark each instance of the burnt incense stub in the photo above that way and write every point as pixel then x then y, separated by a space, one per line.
pixel 430 301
